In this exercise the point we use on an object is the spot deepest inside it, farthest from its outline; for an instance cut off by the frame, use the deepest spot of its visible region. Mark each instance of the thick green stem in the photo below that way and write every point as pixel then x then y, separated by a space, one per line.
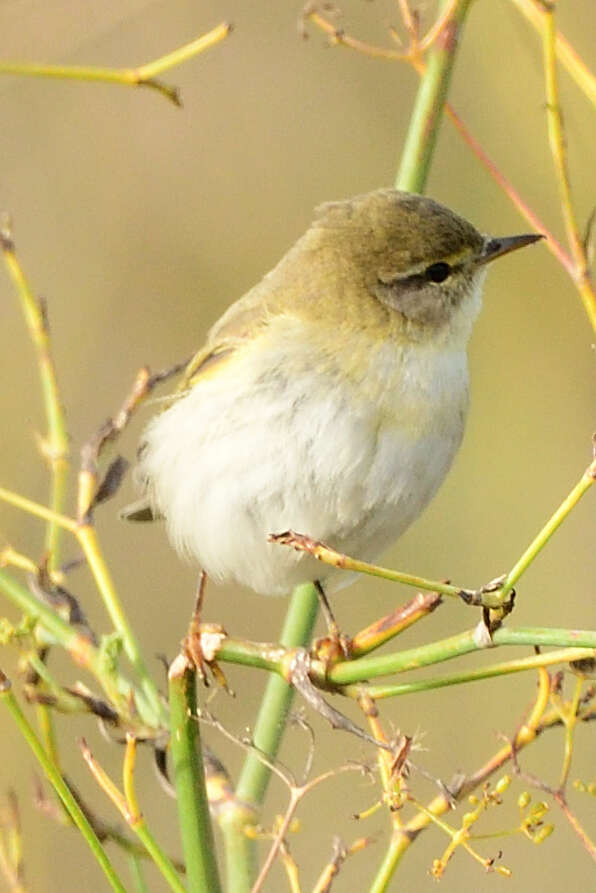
pixel 428 108
pixel 189 777
pixel 275 706
pixel 55 778
pixel 384 875
pixel 268 731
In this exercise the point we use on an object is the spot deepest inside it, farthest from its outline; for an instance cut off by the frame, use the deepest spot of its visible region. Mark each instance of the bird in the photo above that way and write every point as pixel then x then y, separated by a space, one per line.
pixel 330 399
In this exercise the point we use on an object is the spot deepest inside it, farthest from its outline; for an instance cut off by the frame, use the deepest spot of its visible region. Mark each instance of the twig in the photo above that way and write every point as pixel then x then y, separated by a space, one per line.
pixel 89 492
pixel 322 552
pixel 535 12
pixel 298 789
pixel 341 852
pixel 553 245
pixel 448 649
pixel 11 844
pixel 80 648
pixel 127 805
pixel 55 778
pixel 581 273
pixel 552 525
pixel 55 444
pixel 143 76
pixel 505 668
pixel 568 714
pixel 417 45
pixel 383 630
pixel 297 793
pixel 401 840
pixel 337 36
pixel 106 832
pixel 578 828
pixel 490 596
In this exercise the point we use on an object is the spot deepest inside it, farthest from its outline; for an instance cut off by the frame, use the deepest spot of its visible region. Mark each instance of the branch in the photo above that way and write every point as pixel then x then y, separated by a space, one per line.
pixel 143 76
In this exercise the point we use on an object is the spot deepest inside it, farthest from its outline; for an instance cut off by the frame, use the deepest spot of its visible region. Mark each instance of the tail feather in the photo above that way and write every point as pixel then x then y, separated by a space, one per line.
pixel 141 510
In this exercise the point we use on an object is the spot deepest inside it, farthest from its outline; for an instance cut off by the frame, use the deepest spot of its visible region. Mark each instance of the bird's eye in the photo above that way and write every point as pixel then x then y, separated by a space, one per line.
pixel 437 272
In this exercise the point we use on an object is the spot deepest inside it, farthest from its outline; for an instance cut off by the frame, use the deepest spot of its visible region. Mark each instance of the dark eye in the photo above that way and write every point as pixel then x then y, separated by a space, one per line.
pixel 437 272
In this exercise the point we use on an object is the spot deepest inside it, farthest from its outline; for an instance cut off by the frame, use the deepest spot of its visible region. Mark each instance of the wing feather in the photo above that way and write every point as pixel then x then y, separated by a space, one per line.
pixel 241 322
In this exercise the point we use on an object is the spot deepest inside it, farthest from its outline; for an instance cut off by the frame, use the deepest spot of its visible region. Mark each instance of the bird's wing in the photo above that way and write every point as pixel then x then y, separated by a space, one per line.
pixel 239 324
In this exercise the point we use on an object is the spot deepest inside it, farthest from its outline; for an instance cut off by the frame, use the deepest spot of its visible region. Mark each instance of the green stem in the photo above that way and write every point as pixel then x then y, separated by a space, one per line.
pixel 56 442
pixel 456 646
pixel 184 53
pixel 275 706
pixel 189 776
pixel 558 146
pixel 161 860
pixel 393 854
pixel 58 488
pixel 500 669
pixel 268 731
pixel 45 722
pixel 553 523
pixel 58 628
pixel 81 649
pixel 137 874
pixel 59 785
pixel 430 102
pixel 143 76
pixel 149 701
pixel 152 704
pixel 567 56
pixel 350 672
pixel 56 446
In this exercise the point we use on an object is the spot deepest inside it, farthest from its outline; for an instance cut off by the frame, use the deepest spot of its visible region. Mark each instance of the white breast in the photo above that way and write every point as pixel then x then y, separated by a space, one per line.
pixel 279 440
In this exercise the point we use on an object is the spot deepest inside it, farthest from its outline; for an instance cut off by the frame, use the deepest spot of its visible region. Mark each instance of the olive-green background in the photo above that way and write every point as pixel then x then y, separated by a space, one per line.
pixel 140 222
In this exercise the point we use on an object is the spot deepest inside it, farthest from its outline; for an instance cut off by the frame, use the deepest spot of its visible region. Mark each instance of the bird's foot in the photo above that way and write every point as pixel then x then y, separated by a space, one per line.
pixel 202 640
pixel 332 648
pixel 335 646
pixel 200 646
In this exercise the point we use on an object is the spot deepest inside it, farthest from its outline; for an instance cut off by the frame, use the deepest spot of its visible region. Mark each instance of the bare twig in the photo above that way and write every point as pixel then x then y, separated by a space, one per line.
pixel 143 76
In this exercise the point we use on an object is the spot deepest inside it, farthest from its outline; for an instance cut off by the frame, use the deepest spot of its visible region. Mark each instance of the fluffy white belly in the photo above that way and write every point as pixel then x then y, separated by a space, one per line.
pixel 280 438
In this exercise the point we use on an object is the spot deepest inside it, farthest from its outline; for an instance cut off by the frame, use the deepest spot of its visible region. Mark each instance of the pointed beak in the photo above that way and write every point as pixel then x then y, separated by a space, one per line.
pixel 494 248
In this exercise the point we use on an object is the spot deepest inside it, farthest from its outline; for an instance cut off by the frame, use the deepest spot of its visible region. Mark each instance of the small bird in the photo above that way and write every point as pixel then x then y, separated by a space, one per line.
pixel 330 399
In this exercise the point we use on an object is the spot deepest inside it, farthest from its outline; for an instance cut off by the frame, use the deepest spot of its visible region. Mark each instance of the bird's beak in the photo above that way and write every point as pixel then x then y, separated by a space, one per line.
pixel 494 248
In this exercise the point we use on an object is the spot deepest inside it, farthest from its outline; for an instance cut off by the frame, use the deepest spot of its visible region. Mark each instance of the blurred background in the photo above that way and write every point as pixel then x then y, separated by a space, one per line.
pixel 140 222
